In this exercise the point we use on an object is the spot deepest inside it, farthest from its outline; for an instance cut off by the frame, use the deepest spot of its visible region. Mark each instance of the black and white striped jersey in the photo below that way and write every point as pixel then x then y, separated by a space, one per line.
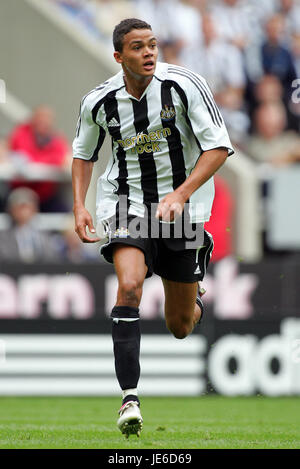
pixel 156 140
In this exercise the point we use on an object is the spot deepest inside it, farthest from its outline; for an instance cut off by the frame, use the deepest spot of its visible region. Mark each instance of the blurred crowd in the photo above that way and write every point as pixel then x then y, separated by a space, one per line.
pixel 35 159
pixel 249 52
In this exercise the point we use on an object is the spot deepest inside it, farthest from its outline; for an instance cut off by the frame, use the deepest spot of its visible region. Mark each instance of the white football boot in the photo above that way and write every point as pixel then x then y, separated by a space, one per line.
pixel 130 421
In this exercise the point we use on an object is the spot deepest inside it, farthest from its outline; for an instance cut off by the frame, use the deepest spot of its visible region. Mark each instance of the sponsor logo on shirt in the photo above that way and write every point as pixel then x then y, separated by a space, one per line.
pixel 145 143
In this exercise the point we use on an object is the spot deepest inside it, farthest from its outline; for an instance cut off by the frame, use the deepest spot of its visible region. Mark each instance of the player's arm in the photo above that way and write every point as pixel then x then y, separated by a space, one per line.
pixel 209 130
pixel 81 177
pixel 86 145
pixel 208 164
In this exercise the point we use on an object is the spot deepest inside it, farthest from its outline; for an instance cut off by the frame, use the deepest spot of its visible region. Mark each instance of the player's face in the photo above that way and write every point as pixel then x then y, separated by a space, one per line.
pixel 139 54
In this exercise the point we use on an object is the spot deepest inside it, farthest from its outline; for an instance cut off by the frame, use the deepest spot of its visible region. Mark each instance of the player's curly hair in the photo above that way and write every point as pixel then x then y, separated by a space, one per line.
pixel 125 27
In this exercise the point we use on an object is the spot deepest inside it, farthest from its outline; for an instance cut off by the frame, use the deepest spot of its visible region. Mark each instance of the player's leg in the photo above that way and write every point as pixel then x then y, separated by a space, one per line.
pixel 182 312
pixel 131 271
pixel 181 270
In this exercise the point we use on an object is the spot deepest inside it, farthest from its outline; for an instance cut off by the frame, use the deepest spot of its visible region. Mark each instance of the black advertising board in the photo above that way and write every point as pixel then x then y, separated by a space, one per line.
pixel 73 298
pixel 248 343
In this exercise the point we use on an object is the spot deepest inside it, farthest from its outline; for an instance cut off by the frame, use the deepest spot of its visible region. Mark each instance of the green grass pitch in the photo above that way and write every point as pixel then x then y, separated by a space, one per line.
pixel 169 423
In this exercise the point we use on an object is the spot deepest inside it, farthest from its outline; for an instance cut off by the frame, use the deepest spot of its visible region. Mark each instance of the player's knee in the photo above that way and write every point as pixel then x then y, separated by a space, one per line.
pixel 180 331
pixel 180 334
pixel 130 292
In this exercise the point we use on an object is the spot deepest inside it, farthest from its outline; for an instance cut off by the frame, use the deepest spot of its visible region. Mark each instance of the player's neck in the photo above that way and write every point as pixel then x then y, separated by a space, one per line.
pixel 136 85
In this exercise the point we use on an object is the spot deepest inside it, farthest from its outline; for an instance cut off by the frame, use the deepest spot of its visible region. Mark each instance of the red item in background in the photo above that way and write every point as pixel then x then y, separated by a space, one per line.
pixel 220 221
pixel 51 153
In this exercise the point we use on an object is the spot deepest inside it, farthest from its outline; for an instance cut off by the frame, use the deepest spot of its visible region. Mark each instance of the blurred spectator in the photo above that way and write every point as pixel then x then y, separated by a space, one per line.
pixel 219 62
pixel 4 162
pixel 234 113
pixel 83 11
pixel 23 242
pixel 4 152
pixel 37 142
pixel 276 58
pixel 233 22
pixel 73 250
pixel 170 51
pixel 176 35
pixel 155 13
pixel 268 90
pixel 271 143
pixel 294 103
pixel 200 5
pixel 107 14
pixel 72 6
pixel 188 24
pixel 295 47
pixel 291 10
pixel 260 10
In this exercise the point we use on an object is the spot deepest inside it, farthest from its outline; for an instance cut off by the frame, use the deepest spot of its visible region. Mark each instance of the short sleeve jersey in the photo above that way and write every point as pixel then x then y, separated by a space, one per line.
pixel 156 140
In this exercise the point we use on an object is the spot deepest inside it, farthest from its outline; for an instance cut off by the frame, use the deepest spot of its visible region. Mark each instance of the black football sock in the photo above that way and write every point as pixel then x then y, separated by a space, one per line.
pixel 130 397
pixel 126 337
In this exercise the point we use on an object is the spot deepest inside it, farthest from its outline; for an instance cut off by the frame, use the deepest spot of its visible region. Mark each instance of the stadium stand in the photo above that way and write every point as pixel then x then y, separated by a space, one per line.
pixel 199 32
pixel 256 40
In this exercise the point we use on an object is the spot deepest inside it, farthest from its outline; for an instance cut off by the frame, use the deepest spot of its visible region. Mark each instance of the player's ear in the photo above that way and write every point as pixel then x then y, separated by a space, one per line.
pixel 118 57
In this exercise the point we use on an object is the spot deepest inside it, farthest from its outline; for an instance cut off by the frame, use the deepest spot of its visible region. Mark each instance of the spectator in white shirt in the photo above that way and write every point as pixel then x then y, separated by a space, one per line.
pixel 176 25
pixel 291 10
pixel 219 62
pixel 233 22
pixel 23 241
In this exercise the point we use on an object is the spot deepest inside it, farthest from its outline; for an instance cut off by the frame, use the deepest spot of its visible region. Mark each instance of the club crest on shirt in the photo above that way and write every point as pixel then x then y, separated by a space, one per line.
pixel 121 232
pixel 167 113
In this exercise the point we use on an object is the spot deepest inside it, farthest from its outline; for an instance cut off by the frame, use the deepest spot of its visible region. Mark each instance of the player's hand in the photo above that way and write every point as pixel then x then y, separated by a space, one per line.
pixel 170 207
pixel 83 220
